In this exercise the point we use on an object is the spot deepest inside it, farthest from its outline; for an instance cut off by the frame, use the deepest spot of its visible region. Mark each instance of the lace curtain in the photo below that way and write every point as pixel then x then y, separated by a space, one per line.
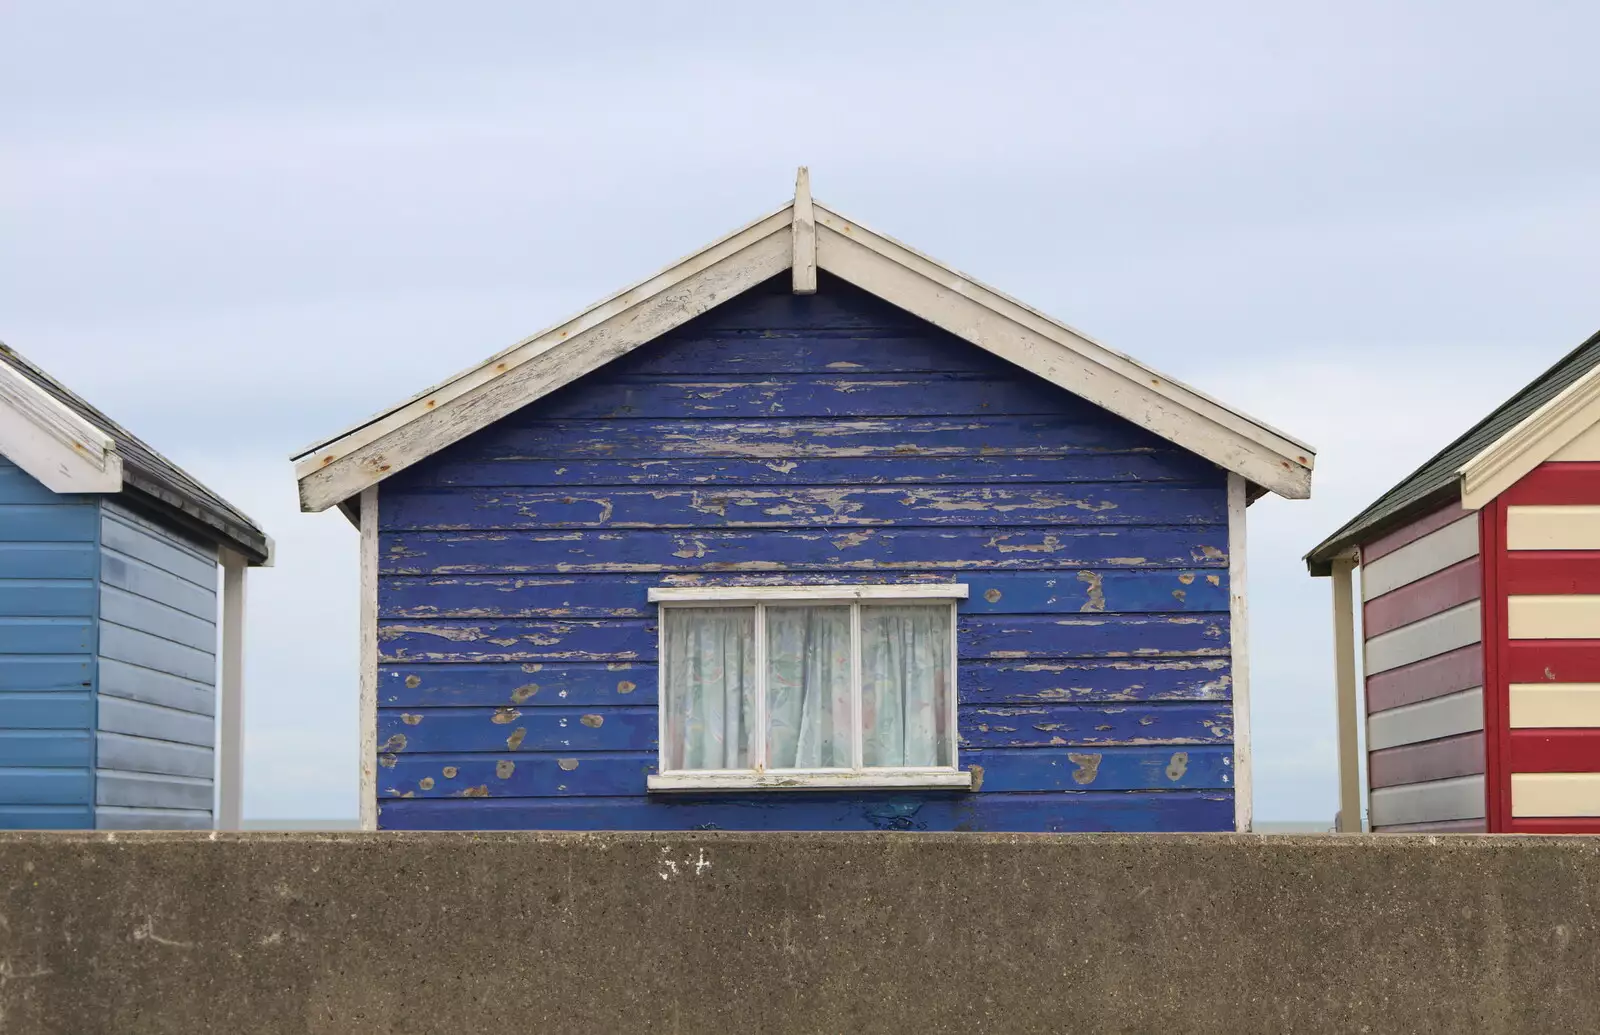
pixel 709 670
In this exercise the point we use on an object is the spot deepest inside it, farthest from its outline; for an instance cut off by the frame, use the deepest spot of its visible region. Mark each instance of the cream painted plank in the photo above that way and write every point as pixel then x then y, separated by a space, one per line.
pixel 1555 794
pixel 1460 797
pixel 1574 616
pixel 1585 447
pixel 1426 720
pixel 1435 634
pixel 1555 705
pixel 1553 528
pixel 1435 551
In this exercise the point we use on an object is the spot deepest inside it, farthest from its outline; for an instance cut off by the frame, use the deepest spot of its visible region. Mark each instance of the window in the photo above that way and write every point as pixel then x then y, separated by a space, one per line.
pixel 808 687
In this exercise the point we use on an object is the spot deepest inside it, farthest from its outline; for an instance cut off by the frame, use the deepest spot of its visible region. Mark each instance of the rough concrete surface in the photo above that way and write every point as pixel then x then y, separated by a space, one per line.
pixel 718 932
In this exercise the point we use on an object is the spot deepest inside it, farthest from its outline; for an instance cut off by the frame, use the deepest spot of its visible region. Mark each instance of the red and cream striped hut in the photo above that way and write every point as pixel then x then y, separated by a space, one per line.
pixel 1480 618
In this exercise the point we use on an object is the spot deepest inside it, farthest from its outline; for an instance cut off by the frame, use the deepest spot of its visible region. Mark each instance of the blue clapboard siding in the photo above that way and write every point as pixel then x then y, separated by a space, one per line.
pixel 784 439
pixel 157 695
pixel 48 606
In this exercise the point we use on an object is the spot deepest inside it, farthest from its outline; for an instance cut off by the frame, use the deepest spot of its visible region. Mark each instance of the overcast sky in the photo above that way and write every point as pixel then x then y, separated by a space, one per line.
pixel 237 227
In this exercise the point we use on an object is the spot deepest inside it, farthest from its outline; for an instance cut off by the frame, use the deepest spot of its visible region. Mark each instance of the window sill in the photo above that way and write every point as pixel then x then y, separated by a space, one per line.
pixel 800 780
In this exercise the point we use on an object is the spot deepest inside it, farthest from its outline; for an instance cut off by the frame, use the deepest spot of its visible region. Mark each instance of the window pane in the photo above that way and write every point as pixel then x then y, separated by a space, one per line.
pixel 905 685
pixel 710 682
pixel 808 687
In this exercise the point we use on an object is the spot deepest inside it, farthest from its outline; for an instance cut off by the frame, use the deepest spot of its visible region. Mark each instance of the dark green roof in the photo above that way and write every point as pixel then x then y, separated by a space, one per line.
pixel 1437 482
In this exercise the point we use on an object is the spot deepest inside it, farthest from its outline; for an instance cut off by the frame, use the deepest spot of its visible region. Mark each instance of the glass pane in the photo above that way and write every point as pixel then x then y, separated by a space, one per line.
pixel 808 687
pixel 905 685
pixel 710 683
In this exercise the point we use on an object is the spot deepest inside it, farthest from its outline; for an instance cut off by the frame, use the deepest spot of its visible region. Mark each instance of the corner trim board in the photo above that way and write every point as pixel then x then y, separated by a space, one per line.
pixel 368 688
pixel 1239 651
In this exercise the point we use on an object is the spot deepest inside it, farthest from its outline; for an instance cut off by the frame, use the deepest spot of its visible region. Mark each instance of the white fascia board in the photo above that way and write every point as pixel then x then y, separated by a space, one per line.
pixel 53 443
pixel 1538 437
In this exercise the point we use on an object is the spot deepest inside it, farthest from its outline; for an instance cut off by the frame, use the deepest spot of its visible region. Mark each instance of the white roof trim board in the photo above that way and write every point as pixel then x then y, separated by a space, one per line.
pixel 1539 436
pixel 46 438
pixel 334 470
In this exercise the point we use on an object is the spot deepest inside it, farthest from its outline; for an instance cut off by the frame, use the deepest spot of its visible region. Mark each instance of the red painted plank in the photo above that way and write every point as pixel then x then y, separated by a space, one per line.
pixel 1554 751
pixel 1557 825
pixel 1441 674
pixel 1556 483
pixel 1443 826
pixel 1411 533
pixel 1550 661
pixel 1417 600
pixel 1431 760
pixel 1550 571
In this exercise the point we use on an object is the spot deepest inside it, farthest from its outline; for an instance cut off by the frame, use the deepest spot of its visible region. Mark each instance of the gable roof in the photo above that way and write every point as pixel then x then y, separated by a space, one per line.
pixel 802 236
pixel 70 446
pixel 1525 430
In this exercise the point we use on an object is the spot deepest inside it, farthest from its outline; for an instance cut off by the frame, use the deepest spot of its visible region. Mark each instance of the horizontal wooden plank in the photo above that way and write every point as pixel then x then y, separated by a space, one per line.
pixel 143 755
pixel 1443 826
pixel 1554 751
pixel 1461 797
pixel 1085 681
pixel 147 580
pixel 1144 464
pixel 1553 528
pixel 152 790
pixel 1059 725
pixel 516 775
pixel 772 351
pixel 157 619
pixel 624 728
pixel 812 395
pixel 46 817
pixel 46 523
pixel 71 560
pixel 859 549
pixel 140 719
pixel 111 817
pixel 1427 720
pixel 1555 794
pixel 123 536
pixel 1435 551
pixel 546 684
pixel 1543 572
pixel 1555 705
pixel 1434 677
pixel 624 596
pixel 137 647
pixel 18 486
pixel 46 635
pixel 1559 484
pixel 120 679
pixel 1059 812
pixel 47 597
pixel 1092 636
pixel 46 672
pixel 904 506
pixel 634 683
pixel 778 438
pixel 46 747
pixel 1434 635
pixel 634 639
pixel 164 531
pixel 1007 770
pixel 1554 661
pixel 1565 617
pixel 20 785
pixel 1431 760
pixel 1407 534
pixel 60 710
pixel 1556 825
pixel 1414 601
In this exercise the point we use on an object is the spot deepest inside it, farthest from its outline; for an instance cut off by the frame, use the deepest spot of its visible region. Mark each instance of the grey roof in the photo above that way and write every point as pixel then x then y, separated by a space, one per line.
pixel 153 481
pixel 1437 481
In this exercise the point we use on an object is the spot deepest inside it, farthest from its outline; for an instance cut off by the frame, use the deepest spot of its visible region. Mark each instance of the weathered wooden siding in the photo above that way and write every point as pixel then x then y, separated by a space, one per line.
pixel 1422 618
pixel 48 564
pixel 157 687
pixel 806 439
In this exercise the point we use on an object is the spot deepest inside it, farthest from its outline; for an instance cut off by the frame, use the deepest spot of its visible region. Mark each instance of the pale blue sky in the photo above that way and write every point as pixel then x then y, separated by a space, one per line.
pixel 237 227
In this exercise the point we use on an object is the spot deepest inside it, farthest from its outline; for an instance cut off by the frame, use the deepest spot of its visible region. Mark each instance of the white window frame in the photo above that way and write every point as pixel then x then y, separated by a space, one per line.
pixel 758 776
